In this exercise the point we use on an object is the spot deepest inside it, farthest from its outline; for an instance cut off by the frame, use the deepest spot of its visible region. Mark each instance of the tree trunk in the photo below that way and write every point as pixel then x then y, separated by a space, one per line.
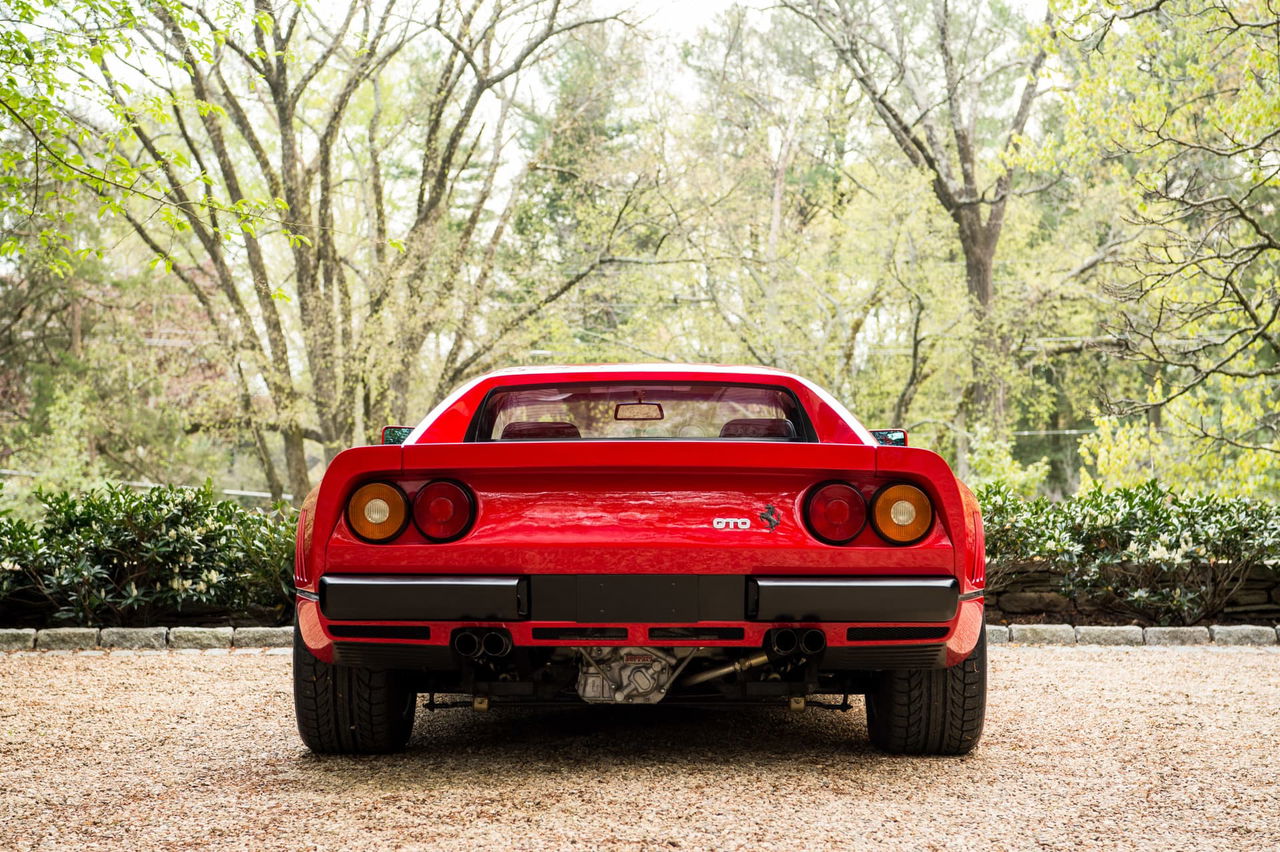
pixel 295 458
pixel 983 397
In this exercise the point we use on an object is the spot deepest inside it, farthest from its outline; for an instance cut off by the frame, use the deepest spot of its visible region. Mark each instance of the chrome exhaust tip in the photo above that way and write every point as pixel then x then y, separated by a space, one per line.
pixel 813 642
pixel 783 641
pixel 467 643
pixel 496 643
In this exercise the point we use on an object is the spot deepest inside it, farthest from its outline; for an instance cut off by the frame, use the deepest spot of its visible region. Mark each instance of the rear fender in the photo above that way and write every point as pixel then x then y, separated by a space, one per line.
pixel 931 472
pixel 349 467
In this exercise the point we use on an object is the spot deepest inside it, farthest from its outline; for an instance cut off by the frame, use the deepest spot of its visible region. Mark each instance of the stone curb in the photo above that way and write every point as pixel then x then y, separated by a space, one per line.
pixel 1132 635
pixel 1042 634
pixel 263 637
pixel 1126 635
pixel 154 640
pixel 66 638
pixel 143 638
pixel 1243 634
pixel 17 638
pixel 1177 635
pixel 134 638
pixel 200 637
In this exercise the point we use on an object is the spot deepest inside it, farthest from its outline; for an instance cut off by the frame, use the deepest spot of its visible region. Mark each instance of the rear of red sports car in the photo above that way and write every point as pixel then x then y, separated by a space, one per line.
pixel 635 535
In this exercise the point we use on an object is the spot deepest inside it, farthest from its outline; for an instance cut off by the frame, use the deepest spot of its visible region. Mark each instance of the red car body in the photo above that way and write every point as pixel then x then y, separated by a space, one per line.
pixel 639 544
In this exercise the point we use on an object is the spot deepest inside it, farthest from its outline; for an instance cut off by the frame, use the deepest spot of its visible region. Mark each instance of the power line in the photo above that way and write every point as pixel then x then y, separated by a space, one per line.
pixel 1025 432
pixel 230 492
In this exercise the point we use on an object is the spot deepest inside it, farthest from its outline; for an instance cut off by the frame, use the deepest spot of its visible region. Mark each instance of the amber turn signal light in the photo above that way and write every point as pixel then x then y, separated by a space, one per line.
pixel 901 513
pixel 378 512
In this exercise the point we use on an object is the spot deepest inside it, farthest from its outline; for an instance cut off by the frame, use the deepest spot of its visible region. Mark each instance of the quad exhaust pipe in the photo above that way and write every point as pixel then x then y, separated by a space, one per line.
pixel 496 643
pixel 473 644
pixel 784 642
pixel 813 642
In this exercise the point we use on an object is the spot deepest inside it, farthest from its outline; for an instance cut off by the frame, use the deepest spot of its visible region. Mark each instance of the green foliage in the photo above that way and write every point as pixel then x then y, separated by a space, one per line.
pixel 1128 454
pixel 1148 550
pixel 216 220
pixel 118 555
pixel 1180 98
pixel 1017 538
pixel 992 461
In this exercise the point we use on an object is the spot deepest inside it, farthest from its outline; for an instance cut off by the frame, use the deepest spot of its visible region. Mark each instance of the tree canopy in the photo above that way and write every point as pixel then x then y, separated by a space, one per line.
pixel 237 237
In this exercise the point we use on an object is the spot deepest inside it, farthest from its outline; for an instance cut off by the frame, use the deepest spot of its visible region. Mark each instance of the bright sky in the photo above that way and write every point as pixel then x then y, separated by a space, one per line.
pixel 678 18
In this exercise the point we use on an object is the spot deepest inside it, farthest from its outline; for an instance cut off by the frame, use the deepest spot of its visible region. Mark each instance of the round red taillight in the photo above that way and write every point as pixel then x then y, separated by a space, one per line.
pixel 836 512
pixel 443 510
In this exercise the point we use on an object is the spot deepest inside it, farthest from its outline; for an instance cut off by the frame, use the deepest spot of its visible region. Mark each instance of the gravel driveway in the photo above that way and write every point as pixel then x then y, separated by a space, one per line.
pixel 1085 747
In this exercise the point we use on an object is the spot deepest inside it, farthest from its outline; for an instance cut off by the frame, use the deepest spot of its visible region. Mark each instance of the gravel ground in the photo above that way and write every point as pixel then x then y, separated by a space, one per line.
pixel 1085 747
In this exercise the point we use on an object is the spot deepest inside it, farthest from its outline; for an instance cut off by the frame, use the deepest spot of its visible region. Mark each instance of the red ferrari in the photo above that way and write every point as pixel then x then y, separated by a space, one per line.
pixel 635 535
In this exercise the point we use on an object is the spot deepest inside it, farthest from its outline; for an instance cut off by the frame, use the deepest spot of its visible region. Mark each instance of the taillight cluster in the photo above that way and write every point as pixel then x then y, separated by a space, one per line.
pixel 442 510
pixel 899 513
pixel 836 512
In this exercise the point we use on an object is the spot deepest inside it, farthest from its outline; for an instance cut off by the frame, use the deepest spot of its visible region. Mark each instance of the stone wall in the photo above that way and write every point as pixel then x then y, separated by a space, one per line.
pixel 1037 596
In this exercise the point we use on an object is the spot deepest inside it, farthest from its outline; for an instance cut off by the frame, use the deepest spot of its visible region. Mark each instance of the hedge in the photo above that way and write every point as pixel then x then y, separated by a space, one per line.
pixel 122 556
pixel 1150 551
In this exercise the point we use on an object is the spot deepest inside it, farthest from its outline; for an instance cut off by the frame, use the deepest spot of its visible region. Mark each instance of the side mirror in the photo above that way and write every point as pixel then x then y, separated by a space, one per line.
pixel 890 437
pixel 395 434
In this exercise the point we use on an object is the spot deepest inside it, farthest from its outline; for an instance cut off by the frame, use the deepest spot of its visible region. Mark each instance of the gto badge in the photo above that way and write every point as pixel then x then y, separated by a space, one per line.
pixel 731 523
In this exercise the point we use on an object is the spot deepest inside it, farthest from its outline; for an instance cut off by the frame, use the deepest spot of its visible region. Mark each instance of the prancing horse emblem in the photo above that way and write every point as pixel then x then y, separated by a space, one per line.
pixel 770 517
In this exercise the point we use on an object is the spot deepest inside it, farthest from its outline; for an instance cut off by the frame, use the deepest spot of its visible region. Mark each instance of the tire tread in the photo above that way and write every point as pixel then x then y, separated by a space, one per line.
pixel 930 711
pixel 349 710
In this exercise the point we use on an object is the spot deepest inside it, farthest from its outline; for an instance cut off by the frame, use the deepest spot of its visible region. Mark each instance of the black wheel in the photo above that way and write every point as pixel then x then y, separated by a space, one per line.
pixel 930 711
pixel 349 710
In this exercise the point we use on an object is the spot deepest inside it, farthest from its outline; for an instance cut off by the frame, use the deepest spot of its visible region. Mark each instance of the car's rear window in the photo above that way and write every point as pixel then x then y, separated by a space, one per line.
pixel 640 410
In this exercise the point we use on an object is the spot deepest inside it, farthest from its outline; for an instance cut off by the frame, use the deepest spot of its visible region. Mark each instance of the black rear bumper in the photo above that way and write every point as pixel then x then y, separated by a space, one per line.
pixel 911 599
pixel 637 598
pixel 423 597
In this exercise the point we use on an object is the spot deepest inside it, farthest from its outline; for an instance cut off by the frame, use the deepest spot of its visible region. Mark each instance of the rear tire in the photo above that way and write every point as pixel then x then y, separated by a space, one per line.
pixel 349 710
pixel 930 711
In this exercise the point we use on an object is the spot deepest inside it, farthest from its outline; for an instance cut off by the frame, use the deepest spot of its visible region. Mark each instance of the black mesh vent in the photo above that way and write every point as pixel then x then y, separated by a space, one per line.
pixel 379 631
pixel 373 655
pixel 696 634
pixel 874 634
pixel 579 633
pixel 884 657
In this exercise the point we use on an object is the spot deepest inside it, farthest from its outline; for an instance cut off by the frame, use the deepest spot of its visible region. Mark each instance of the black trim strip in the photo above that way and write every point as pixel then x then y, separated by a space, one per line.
pixel 919 599
pixel 305 595
pixel 973 596
pixel 638 598
pixel 423 597
pixel 651 598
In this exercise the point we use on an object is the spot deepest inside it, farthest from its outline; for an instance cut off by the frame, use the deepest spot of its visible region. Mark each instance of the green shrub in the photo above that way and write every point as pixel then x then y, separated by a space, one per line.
pixel 1168 557
pixel 122 556
pixel 1018 535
